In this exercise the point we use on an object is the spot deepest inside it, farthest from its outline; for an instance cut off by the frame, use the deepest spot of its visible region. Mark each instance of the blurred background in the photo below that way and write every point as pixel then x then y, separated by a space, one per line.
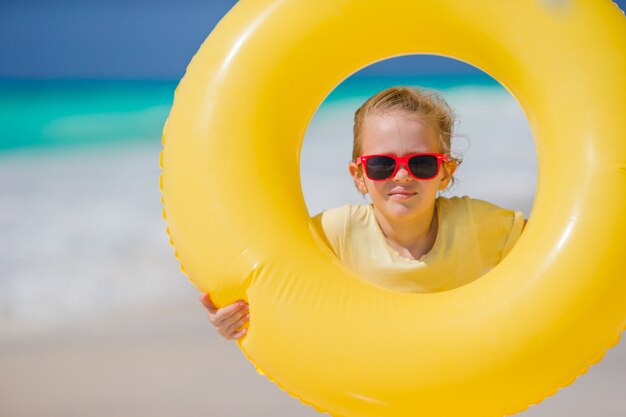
pixel 95 316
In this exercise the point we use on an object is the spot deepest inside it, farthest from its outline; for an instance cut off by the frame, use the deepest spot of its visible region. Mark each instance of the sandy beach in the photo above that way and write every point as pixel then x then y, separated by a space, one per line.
pixel 166 361
pixel 155 362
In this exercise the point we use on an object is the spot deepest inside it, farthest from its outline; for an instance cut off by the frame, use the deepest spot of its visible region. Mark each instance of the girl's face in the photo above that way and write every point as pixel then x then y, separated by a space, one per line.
pixel 402 197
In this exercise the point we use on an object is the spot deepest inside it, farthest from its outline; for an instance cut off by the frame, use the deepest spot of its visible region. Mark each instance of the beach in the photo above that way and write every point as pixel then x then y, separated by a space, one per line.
pixel 161 361
pixel 166 360
pixel 96 318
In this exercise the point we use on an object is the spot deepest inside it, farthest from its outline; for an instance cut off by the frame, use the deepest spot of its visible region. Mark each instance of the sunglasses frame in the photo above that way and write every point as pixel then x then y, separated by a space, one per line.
pixel 402 160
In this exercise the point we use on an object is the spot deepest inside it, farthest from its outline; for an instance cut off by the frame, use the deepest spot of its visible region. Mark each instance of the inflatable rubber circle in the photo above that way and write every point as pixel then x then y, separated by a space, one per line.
pixel 240 228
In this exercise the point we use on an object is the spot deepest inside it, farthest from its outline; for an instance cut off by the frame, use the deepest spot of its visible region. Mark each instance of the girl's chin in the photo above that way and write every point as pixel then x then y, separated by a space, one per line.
pixel 400 209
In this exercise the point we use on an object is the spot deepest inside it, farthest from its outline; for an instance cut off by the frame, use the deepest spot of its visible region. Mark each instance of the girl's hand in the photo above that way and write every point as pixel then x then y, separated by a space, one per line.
pixel 227 320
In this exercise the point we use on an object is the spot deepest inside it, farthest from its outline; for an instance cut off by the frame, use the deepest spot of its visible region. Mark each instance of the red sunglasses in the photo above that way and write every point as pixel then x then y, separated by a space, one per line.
pixel 421 166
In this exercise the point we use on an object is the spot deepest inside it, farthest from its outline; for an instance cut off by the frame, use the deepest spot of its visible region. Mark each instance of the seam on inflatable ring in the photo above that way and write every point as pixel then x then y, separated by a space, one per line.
pixel 596 359
pixel 585 368
pixel 260 371
pixel 163 211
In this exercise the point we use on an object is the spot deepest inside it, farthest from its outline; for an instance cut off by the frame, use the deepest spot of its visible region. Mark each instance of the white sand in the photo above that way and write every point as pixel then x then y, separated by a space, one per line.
pixel 152 362
pixel 167 361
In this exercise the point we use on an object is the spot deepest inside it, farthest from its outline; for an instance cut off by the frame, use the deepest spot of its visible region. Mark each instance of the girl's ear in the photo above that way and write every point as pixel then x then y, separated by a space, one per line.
pixel 447 171
pixel 357 175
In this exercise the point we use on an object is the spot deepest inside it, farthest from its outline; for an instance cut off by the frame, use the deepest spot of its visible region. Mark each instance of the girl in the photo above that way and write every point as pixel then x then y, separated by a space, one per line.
pixel 408 238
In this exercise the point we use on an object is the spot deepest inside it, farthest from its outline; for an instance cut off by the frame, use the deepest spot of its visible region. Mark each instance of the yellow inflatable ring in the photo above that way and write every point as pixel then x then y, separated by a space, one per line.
pixel 238 221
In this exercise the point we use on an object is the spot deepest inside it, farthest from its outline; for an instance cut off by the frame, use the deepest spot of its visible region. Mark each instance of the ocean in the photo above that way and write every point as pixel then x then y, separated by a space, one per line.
pixel 81 224
pixel 47 114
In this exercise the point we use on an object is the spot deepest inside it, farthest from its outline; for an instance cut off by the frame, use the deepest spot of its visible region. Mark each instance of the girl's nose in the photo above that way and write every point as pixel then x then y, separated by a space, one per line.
pixel 402 173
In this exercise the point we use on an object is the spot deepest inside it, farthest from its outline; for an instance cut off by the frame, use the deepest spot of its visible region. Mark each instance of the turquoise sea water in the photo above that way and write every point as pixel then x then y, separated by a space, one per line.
pixel 68 113
pixel 48 114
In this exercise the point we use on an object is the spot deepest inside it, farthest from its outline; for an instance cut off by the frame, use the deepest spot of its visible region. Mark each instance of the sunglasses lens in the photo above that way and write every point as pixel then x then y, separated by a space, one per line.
pixel 380 167
pixel 424 166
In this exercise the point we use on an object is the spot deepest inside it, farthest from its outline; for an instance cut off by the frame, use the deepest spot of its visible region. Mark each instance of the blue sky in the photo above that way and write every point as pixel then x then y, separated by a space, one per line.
pixel 138 39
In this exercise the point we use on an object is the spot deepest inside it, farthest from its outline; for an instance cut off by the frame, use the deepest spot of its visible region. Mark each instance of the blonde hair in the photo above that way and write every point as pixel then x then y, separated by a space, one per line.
pixel 429 106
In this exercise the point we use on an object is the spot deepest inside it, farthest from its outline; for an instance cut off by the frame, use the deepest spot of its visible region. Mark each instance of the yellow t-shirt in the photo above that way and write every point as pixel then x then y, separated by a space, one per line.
pixel 472 237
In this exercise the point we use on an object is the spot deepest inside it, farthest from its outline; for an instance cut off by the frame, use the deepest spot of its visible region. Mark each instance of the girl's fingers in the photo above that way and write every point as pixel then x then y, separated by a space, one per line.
pixel 229 321
pixel 217 315
pixel 239 334
pixel 235 326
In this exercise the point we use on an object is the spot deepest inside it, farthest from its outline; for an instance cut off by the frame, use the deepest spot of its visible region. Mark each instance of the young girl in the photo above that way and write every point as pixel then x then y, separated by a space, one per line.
pixel 408 238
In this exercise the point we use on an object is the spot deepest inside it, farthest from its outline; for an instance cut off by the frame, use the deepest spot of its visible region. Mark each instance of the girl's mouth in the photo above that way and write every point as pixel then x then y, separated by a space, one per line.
pixel 401 195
